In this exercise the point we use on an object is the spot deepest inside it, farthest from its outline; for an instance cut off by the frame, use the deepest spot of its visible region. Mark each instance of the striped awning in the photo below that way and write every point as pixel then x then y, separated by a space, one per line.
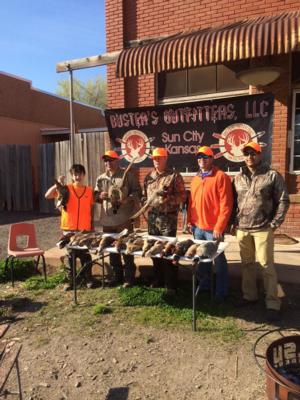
pixel 252 38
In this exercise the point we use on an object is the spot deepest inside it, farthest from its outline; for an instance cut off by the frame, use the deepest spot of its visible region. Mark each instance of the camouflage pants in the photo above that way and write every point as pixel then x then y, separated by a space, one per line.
pixel 165 273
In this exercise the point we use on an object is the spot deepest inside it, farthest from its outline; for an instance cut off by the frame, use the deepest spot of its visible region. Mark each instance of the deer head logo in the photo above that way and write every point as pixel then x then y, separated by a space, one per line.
pixel 135 145
pixel 233 139
pixel 237 140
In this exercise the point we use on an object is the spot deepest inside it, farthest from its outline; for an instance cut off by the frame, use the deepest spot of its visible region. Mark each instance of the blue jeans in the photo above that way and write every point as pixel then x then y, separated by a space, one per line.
pixel 204 269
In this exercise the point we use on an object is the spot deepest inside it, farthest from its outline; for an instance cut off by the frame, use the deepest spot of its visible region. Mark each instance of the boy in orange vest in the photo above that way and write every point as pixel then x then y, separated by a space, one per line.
pixel 77 216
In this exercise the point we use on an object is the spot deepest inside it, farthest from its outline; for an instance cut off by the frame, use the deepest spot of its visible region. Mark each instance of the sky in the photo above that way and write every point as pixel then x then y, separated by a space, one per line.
pixel 37 34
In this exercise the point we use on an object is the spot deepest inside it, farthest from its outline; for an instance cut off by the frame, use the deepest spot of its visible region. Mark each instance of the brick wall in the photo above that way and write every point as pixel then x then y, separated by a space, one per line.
pixel 129 20
pixel 114 41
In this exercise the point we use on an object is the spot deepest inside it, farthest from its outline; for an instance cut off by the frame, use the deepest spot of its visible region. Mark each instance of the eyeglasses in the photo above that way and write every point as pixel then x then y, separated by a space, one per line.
pixel 109 159
pixel 250 154
pixel 204 156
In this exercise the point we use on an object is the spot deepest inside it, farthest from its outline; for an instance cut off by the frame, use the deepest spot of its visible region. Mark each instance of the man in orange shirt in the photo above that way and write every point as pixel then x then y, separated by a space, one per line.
pixel 210 207
pixel 77 216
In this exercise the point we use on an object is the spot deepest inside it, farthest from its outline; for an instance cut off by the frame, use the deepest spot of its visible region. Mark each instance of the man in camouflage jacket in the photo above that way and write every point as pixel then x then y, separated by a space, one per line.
pixel 262 203
pixel 114 221
pixel 163 213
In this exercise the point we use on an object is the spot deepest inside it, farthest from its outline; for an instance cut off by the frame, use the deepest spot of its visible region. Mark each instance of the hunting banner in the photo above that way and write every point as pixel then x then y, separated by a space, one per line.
pixel 225 125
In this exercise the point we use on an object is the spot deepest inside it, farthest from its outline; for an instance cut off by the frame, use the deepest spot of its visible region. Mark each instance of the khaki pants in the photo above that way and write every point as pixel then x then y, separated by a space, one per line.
pixel 258 246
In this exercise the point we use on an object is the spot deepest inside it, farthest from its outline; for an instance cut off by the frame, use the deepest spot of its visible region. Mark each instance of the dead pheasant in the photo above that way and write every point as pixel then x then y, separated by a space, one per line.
pixel 180 249
pixel 116 193
pixel 168 250
pixel 63 195
pixel 207 249
pixel 88 239
pixel 106 241
pixel 156 248
pixel 64 240
pixel 120 243
pixel 83 239
pixel 191 251
pixel 76 239
pixel 148 243
pixel 134 244
pixel 96 241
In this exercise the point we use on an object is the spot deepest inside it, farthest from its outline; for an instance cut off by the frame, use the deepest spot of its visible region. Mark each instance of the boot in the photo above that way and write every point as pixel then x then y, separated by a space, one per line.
pixel 69 279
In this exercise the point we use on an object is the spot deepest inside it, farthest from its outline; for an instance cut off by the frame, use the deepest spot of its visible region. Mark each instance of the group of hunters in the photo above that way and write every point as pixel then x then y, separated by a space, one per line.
pixel 252 207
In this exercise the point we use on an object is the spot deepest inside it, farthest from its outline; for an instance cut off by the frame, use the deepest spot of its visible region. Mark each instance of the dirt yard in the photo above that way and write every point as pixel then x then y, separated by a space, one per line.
pixel 71 352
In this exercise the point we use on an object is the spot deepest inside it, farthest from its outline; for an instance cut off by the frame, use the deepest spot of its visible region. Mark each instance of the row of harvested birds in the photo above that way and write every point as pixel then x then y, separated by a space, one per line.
pixel 129 243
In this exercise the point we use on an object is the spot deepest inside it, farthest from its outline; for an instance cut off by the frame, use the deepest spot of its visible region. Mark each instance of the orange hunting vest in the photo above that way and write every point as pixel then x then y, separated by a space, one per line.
pixel 78 216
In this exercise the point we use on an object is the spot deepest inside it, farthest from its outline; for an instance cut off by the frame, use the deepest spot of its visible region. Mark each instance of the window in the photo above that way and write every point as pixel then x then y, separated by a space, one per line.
pixel 296 131
pixel 296 68
pixel 295 151
pixel 200 81
pixel 172 84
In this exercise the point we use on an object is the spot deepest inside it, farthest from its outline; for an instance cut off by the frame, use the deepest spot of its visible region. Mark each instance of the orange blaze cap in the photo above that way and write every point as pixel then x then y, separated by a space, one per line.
pixel 110 154
pixel 253 145
pixel 159 152
pixel 205 150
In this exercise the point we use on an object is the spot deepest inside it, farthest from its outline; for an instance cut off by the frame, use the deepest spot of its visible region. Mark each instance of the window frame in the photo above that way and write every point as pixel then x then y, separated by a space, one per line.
pixel 293 124
pixel 210 96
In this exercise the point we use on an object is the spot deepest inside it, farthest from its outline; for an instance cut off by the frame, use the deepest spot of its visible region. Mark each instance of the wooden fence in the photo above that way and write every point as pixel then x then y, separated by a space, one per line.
pixel 16 185
pixel 55 160
pixel 46 173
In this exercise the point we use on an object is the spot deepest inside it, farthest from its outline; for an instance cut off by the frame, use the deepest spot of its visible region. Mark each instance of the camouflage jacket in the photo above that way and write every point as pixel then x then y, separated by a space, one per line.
pixel 261 199
pixel 171 185
pixel 131 191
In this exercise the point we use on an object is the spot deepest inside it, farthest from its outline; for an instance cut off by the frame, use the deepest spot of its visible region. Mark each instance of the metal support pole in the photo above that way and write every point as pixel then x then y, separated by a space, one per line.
pixel 194 269
pixel 44 268
pixel 103 266
pixel 72 126
pixel 12 271
pixel 19 380
pixel 74 276
pixel 212 283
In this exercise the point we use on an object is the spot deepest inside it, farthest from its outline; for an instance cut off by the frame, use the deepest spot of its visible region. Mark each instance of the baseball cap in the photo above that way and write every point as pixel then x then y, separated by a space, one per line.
pixel 110 154
pixel 205 150
pixel 253 145
pixel 159 152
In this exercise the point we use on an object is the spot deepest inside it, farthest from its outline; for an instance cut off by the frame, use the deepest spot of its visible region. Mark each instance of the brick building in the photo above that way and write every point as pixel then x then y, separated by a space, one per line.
pixel 29 116
pixel 160 42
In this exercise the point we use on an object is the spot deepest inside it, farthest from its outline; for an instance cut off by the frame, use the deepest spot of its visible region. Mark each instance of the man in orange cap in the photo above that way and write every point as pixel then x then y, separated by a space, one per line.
pixel 163 213
pixel 262 203
pixel 210 207
pixel 115 215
